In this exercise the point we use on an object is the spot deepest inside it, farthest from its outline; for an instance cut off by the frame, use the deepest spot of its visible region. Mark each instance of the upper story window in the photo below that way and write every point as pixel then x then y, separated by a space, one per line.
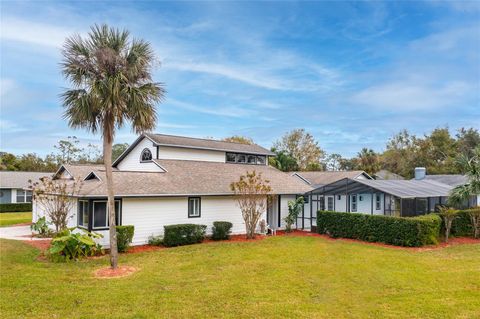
pixel 146 155
pixel 246 159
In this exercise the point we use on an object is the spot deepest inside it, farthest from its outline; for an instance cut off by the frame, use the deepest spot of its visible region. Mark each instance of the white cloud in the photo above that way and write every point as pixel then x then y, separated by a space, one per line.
pixel 220 111
pixel 14 29
pixel 410 95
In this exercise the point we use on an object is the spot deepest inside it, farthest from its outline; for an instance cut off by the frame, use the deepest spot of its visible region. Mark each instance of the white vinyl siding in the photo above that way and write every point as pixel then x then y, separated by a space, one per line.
pixel 132 162
pixel 190 154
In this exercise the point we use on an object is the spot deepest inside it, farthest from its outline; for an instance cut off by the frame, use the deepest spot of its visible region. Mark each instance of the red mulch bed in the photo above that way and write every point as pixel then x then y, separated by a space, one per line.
pixel 120 271
pixel 143 248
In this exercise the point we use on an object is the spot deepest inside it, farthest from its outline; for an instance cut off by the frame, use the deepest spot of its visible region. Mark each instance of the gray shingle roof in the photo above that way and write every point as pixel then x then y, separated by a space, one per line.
pixel 452 180
pixel 317 179
pixel 14 179
pixel 384 174
pixel 185 178
pixel 200 143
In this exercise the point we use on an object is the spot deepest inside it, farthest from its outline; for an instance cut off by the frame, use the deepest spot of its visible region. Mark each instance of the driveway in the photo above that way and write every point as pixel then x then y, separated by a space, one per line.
pixel 17 233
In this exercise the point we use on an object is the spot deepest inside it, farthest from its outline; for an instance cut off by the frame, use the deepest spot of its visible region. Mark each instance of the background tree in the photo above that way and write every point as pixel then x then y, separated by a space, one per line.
pixel 333 161
pixel 56 199
pixel 368 161
pixel 112 85
pixel 68 150
pixel 252 195
pixel 8 162
pixel 283 161
pixel 239 139
pixel 348 164
pixel 467 141
pixel 118 149
pixel 302 147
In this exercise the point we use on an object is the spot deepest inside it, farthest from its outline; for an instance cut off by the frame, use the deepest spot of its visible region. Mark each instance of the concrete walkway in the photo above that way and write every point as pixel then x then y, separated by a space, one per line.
pixel 17 233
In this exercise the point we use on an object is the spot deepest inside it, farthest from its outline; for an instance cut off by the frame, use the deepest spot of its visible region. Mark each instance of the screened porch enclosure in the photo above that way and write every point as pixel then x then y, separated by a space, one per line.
pixel 377 197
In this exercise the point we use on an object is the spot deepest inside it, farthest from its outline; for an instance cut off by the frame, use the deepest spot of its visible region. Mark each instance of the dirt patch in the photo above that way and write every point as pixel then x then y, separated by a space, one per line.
pixel 120 271
pixel 42 245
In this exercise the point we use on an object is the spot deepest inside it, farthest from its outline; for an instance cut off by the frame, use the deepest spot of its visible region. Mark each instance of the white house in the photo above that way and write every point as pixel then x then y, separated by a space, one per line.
pixel 13 186
pixel 162 180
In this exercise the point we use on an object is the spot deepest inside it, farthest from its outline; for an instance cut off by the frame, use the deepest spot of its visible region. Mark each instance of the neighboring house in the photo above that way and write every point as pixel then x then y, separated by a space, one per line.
pixel 387 175
pixel 314 202
pixel 13 184
pixel 162 179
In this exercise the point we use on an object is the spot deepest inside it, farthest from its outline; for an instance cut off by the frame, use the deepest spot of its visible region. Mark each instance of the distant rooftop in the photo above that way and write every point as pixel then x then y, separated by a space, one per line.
pixel 208 144
pixel 451 179
pixel 316 179
pixel 16 179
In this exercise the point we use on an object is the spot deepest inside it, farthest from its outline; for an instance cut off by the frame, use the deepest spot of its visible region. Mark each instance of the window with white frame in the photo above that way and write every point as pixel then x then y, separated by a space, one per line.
pixel 245 158
pixel 330 203
pixel 354 203
pixel 83 213
pixel 100 215
pixel 194 209
pixel 24 196
pixel 378 202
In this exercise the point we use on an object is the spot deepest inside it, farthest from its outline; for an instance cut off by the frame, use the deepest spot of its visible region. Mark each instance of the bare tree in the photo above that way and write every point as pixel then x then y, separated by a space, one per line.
pixel 56 199
pixel 252 194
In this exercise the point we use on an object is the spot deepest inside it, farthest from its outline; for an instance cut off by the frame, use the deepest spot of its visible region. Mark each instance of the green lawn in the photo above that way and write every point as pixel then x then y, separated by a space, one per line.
pixel 7 219
pixel 301 277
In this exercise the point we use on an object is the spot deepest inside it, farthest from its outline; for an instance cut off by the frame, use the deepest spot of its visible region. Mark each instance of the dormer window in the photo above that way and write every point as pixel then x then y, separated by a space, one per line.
pixel 240 158
pixel 146 155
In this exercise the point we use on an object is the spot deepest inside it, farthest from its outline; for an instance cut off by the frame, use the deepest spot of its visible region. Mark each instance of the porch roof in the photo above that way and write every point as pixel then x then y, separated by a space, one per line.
pixel 397 188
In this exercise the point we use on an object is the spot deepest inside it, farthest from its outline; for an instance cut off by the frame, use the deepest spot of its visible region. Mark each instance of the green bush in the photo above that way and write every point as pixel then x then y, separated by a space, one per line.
pixel 124 237
pixel 221 230
pixel 399 231
pixel 15 207
pixel 462 225
pixel 69 245
pixel 183 234
pixel 41 228
pixel 155 240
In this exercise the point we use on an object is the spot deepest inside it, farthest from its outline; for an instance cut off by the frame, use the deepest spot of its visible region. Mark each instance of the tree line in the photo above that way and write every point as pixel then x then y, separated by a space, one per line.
pixel 298 150
pixel 67 151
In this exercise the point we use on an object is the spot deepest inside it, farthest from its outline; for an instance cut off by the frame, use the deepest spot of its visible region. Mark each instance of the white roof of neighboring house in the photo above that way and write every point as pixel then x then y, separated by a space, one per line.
pixel 319 178
pixel 15 179
pixel 183 178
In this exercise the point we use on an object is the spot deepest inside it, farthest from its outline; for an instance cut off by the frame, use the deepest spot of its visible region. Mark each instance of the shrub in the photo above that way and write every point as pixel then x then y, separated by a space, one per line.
pixel 124 237
pixel 155 240
pixel 15 207
pixel 41 228
pixel 69 245
pixel 400 231
pixel 221 230
pixel 183 234
pixel 462 225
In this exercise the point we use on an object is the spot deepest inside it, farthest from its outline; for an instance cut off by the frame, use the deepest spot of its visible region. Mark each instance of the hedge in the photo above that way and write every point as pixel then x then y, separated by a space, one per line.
pixel 399 231
pixel 221 230
pixel 462 225
pixel 183 234
pixel 124 237
pixel 15 207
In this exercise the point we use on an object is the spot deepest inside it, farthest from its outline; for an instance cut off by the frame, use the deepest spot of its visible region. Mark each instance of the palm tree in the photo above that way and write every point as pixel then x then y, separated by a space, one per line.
pixel 471 167
pixel 112 85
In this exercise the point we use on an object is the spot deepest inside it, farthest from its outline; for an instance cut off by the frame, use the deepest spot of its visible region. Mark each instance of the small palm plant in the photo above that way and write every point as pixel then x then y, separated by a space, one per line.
pixel 448 214
pixel 111 77
pixel 294 209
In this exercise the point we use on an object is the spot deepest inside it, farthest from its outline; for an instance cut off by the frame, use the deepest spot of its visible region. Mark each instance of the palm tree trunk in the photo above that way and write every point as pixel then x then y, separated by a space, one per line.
pixel 107 160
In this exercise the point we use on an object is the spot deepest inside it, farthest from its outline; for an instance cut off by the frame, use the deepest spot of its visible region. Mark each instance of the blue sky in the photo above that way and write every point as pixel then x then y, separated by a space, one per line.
pixel 351 73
